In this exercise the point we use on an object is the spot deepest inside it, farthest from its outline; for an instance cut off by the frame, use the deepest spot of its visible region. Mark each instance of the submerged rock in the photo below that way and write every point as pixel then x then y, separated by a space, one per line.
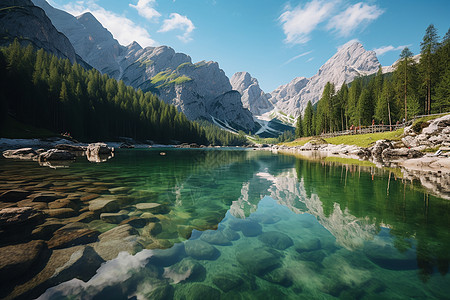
pixel 55 154
pixel 15 260
pixel 249 228
pixel 22 153
pixel 197 291
pixel 120 238
pixel 14 216
pixel 71 235
pixel 227 282
pixel 275 239
pixel 386 256
pixel 103 205
pixel 14 195
pixel 167 257
pixel 201 250
pixel 215 238
pixel 185 270
pixel 258 261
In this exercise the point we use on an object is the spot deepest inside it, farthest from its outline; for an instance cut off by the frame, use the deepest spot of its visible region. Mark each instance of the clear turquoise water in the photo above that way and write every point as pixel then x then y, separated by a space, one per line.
pixel 255 225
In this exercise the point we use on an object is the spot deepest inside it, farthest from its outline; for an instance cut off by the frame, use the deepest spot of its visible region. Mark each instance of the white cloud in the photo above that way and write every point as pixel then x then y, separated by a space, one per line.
pixel 355 16
pixel 122 28
pixel 299 22
pixel 382 50
pixel 296 57
pixel 177 21
pixel 146 10
pixel 310 59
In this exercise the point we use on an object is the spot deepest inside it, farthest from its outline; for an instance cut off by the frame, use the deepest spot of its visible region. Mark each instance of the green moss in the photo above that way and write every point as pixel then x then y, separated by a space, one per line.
pixel 366 140
pixel 181 79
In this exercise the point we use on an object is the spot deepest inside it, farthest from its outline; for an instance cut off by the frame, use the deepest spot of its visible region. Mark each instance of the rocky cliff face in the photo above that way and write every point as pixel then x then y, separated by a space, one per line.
pixel 253 97
pixel 351 61
pixel 21 19
pixel 192 88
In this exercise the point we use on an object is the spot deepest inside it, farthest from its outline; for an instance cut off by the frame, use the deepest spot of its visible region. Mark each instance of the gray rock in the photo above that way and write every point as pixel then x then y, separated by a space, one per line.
pixel 248 227
pixel 279 276
pixel 45 197
pixel 403 152
pixel 379 146
pixel 201 250
pixel 22 153
pixel 32 26
pixel 71 148
pixel 55 154
pixel 252 97
pixel 275 239
pixel 152 207
pixel 351 61
pixel 167 257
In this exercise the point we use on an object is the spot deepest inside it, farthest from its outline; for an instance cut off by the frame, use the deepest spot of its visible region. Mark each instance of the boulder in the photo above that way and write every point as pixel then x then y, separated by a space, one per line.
pixel 76 266
pixel 103 205
pixel 167 257
pixel 22 153
pixel 258 261
pixel 153 207
pixel 197 291
pixel 45 197
pixel 248 227
pixel 14 216
pixel 114 218
pixel 227 282
pixel 215 238
pixel 60 213
pixel 116 240
pixel 14 195
pixel 201 250
pixel 55 155
pixel 71 235
pixel 308 245
pixel 401 153
pixel 379 146
pixel 185 270
pixel 71 148
pixel 16 260
pixel 98 149
pixel 275 239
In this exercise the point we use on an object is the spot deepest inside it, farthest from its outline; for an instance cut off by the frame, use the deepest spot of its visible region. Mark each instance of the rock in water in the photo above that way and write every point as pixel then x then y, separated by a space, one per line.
pixel 15 260
pixel 258 261
pixel 201 250
pixel 22 153
pixel 55 154
pixel 275 239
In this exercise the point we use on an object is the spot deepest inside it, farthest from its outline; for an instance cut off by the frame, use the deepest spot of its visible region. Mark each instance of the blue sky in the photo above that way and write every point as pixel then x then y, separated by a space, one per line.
pixel 275 41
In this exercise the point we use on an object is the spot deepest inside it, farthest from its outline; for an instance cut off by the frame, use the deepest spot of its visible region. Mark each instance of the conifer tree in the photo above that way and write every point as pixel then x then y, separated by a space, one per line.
pixel 428 48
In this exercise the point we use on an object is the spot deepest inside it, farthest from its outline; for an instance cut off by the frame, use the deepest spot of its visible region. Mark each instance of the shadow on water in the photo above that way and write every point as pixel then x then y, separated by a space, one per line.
pixel 253 225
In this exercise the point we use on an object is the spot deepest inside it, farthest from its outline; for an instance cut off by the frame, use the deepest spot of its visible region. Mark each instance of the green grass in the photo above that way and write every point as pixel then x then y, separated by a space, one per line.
pixel 298 142
pixel 146 62
pixel 186 64
pixel 13 129
pixel 181 79
pixel 366 140
pixel 160 77
pixel 349 161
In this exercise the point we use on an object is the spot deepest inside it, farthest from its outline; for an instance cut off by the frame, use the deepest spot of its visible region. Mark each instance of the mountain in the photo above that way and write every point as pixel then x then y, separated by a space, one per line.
pixel 351 61
pixel 253 97
pixel 200 90
pixel 21 19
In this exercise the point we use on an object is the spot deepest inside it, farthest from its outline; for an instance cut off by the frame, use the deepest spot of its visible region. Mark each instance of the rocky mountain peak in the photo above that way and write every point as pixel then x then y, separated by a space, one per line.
pixel 253 97
pixel 350 61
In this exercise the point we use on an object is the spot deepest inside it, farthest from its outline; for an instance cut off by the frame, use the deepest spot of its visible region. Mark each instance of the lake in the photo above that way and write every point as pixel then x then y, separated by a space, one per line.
pixel 222 224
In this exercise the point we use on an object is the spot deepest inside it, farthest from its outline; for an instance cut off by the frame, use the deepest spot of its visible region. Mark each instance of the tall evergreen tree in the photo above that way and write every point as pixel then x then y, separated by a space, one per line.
pixel 403 67
pixel 428 48
pixel 299 127
pixel 308 120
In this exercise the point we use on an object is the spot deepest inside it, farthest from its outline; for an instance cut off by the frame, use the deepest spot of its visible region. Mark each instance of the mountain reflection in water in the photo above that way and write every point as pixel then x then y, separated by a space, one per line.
pixel 280 227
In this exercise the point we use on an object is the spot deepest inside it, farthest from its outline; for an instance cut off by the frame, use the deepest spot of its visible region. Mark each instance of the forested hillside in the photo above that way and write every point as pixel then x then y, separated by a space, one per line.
pixel 413 89
pixel 42 90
